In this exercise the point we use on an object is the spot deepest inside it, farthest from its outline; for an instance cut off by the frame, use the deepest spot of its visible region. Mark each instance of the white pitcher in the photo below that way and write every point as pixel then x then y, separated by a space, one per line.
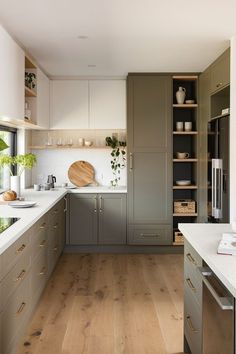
pixel 180 95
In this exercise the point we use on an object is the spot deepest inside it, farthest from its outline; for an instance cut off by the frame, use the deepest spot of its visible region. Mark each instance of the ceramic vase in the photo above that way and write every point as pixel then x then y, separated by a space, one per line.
pixel 15 185
pixel 180 95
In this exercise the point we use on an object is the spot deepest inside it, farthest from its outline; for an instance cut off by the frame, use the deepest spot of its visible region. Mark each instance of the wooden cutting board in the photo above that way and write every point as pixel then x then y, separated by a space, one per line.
pixel 81 174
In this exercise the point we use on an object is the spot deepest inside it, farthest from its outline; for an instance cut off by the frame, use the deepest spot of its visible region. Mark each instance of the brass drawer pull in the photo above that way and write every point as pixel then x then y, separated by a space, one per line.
pixel 21 275
pixel 43 271
pixel 100 204
pixel 22 247
pixel 55 211
pixel 55 249
pixel 95 204
pixel 190 258
pixel 190 324
pixel 149 235
pixel 190 284
pixel 219 84
pixel 55 226
pixel 42 244
pixel 21 308
pixel 43 225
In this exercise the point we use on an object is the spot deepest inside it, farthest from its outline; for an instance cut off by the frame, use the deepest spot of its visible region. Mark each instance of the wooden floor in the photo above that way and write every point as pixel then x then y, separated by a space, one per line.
pixel 110 304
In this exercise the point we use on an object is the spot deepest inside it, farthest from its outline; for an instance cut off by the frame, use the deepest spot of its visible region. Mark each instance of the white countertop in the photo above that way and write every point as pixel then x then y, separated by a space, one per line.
pixel 205 239
pixel 45 201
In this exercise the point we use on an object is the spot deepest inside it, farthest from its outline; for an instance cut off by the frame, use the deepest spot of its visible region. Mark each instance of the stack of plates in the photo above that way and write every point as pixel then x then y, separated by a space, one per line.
pixel 22 204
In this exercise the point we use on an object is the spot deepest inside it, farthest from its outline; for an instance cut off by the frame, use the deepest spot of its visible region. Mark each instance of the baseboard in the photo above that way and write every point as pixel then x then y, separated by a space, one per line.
pixel 123 249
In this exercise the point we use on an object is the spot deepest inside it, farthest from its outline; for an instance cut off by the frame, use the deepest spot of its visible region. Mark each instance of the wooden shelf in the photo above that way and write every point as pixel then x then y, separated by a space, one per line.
pixel 55 147
pixel 185 105
pixel 185 133
pixel 29 92
pixel 184 215
pixel 29 64
pixel 185 187
pixel 185 160
pixel 185 78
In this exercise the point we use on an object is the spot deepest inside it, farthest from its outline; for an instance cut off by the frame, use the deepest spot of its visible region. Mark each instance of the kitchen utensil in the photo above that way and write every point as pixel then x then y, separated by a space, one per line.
pixel 188 126
pixel 25 204
pixel 189 101
pixel 51 180
pixel 182 155
pixel 81 173
pixel 46 186
pixel 179 126
pixel 183 182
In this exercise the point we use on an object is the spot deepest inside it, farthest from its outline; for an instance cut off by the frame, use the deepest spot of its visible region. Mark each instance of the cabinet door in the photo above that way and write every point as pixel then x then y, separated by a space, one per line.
pixel 150 188
pixel 220 72
pixel 107 104
pixel 12 66
pixel 69 104
pixel 83 219
pixel 112 219
pixel 43 93
pixel 149 113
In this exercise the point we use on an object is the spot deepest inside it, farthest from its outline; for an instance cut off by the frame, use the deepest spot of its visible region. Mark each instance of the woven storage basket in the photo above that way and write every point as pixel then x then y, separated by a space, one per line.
pixel 179 237
pixel 184 206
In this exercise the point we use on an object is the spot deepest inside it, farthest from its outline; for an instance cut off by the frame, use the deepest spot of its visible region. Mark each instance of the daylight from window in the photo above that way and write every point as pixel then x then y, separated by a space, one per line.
pixel 4 173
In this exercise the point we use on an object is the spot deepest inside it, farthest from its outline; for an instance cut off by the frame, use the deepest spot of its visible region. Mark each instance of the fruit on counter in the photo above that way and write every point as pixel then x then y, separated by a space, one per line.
pixel 9 195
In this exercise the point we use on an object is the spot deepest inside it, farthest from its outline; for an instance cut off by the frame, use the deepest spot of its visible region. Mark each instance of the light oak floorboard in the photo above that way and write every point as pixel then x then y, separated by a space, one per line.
pixel 110 304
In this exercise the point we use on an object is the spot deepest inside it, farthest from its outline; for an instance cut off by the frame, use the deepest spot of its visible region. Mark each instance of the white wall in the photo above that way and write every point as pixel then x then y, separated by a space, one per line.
pixel 57 162
pixel 233 131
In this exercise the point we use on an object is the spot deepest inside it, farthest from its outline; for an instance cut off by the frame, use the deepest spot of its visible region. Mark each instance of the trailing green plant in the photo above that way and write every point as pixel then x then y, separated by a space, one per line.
pixel 30 80
pixel 3 145
pixel 118 160
pixel 22 162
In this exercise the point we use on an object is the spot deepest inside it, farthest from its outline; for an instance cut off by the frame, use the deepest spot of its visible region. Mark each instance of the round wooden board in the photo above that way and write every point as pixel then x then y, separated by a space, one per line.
pixel 81 174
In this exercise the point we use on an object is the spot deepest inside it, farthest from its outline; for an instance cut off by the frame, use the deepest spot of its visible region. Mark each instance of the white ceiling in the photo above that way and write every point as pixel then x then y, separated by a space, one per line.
pixel 123 35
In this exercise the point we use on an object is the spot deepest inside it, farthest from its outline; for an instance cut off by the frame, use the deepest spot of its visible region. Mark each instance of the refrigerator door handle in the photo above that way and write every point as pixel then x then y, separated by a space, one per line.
pixel 217 188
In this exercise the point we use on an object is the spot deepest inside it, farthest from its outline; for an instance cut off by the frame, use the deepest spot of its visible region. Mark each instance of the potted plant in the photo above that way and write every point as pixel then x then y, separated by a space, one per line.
pixel 30 80
pixel 22 162
pixel 118 158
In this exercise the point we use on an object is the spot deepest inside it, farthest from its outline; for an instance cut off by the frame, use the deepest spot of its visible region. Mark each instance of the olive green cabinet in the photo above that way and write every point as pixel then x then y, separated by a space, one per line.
pixel 97 219
pixel 26 266
pixel 220 72
pixel 149 158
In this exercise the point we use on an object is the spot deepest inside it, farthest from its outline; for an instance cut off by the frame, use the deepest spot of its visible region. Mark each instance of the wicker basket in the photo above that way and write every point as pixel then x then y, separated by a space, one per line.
pixel 184 206
pixel 179 238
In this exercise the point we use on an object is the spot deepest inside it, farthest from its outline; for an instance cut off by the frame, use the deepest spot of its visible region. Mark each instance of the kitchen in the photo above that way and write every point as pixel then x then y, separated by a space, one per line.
pixel 127 168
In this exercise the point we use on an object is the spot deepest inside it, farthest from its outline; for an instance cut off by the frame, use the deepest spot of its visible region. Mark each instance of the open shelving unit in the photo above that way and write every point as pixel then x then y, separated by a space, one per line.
pixel 31 94
pixel 185 141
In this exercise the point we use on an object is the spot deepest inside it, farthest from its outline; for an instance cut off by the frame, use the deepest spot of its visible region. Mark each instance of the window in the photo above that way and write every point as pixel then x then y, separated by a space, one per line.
pixel 9 136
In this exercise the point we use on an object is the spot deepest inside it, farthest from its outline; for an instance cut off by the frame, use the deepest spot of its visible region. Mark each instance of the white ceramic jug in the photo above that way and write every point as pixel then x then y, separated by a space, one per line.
pixel 180 95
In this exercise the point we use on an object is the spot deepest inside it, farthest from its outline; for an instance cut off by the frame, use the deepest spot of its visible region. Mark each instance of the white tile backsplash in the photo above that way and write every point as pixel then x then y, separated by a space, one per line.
pixel 57 162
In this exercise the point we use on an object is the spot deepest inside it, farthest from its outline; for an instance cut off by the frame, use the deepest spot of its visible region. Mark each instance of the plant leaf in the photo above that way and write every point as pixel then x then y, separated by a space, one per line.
pixel 3 145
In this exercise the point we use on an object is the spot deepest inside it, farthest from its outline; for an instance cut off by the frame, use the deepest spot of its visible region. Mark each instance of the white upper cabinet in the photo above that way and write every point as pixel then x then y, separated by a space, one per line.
pixel 69 104
pixel 107 104
pixel 43 99
pixel 12 66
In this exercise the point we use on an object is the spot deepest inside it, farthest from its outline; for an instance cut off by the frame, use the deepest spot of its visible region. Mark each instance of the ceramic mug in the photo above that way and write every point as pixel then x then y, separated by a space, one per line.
pixel 188 126
pixel 182 155
pixel 179 126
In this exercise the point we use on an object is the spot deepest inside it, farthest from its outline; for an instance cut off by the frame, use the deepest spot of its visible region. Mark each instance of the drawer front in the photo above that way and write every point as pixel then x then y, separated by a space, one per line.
pixel 39 275
pixel 53 251
pixel 149 234
pixel 15 252
pixel 15 277
pixel 192 322
pixel 15 314
pixel 55 212
pixel 39 240
pixel 191 257
pixel 193 283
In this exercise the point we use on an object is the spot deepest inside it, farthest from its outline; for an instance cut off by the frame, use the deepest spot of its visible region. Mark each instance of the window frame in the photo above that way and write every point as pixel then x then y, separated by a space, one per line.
pixel 13 150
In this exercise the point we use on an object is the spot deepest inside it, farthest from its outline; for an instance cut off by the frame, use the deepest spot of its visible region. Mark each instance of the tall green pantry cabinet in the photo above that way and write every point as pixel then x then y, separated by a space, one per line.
pixel 149 159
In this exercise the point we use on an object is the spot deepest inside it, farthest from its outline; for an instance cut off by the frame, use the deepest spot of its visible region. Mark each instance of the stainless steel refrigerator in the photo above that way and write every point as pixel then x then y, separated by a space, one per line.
pixel 218 170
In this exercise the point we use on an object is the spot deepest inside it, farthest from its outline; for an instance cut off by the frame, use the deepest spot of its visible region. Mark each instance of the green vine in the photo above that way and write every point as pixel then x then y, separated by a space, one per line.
pixel 118 160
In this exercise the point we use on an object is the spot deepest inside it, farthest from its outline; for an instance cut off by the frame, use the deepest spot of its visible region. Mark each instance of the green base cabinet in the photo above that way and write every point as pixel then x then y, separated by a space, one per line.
pixel 97 219
pixel 149 234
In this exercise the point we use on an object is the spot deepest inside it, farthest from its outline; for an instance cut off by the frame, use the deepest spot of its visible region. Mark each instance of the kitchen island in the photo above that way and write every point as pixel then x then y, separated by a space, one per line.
pixel 209 291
